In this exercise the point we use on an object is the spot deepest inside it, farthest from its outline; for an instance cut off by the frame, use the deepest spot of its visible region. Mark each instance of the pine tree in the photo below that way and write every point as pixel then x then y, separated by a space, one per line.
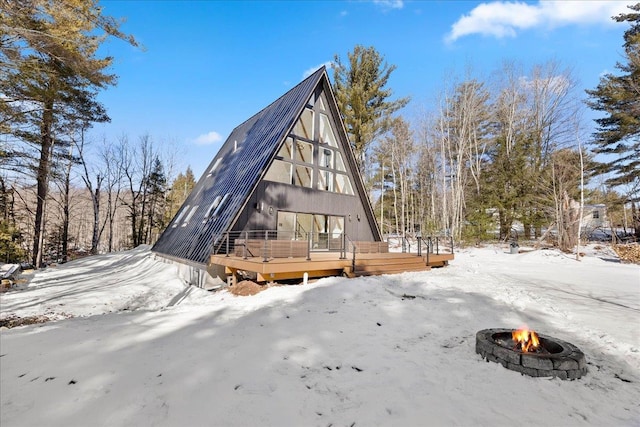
pixel 362 97
pixel 618 96
pixel 180 189
pixel 50 74
pixel 157 192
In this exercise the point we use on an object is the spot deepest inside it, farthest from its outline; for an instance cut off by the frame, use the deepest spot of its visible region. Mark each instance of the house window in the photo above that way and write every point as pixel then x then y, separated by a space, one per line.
pixel 303 176
pixel 324 231
pixel 286 151
pixel 215 166
pixel 179 217
pixel 321 104
pixel 304 126
pixel 326 158
pixel 340 163
pixel 222 202
pixel 325 181
pixel 279 171
pixel 596 214
pixel 190 215
pixel 214 205
pixel 343 184
pixel 304 152
pixel 326 132
pixel 294 160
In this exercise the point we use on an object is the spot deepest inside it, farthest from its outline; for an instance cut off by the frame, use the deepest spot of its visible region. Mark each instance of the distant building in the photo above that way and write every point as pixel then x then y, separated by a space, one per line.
pixel 594 217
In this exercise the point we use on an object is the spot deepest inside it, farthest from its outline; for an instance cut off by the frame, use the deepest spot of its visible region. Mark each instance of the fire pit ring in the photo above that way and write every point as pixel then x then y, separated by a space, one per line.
pixel 561 359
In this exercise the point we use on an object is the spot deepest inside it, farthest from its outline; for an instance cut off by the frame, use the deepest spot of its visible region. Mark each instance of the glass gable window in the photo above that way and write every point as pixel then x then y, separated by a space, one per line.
pixel 286 151
pixel 304 125
pixel 321 104
pixel 343 184
pixel 340 163
pixel 325 181
pixel 279 171
pixel 302 177
pixel 326 132
pixel 311 156
pixel 304 152
pixel 326 158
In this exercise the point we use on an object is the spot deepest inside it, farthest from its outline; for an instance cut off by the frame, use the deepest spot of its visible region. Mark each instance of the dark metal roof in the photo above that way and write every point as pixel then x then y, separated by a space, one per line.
pixel 240 164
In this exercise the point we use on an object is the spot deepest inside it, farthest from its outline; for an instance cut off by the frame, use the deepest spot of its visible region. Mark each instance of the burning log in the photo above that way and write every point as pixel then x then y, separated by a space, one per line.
pixel 525 340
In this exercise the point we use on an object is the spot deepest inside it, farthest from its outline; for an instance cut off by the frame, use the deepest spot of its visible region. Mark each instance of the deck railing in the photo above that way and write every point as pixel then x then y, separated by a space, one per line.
pixel 269 244
pixel 281 244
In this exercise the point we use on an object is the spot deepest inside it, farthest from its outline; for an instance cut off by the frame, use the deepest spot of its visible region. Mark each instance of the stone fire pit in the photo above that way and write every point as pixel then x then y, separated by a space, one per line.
pixel 555 358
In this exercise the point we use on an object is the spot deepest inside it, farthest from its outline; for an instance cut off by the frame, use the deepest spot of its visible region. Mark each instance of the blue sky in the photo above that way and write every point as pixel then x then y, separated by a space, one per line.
pixel 207 66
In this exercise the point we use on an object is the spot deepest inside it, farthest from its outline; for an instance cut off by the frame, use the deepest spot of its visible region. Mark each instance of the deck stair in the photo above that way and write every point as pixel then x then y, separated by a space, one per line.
pixel 388 263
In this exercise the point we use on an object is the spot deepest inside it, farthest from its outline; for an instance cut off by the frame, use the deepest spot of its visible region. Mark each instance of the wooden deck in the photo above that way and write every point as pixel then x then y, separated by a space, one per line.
pixel 324 264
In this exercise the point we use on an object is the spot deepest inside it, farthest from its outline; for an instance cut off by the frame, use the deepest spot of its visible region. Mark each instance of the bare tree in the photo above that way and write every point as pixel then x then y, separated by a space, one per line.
pixel 111 157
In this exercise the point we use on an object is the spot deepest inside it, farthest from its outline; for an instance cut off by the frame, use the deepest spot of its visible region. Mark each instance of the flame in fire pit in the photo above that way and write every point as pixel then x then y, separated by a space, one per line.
pixel 526 340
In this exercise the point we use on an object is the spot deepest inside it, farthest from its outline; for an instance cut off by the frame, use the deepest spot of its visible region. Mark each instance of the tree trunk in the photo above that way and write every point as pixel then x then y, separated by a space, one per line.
pixel 95 237
pixel 65 213
pixel 44 165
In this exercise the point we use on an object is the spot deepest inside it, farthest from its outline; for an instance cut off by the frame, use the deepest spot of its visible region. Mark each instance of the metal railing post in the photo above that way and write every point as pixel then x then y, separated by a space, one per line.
pixel 244 245
pixel 227 233
pixel 265 258
pixel 308 247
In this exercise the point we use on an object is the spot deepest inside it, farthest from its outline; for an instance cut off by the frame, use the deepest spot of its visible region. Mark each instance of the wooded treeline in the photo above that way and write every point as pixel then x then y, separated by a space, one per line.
pixel 495 152
pixel 488 153
pixel 50 74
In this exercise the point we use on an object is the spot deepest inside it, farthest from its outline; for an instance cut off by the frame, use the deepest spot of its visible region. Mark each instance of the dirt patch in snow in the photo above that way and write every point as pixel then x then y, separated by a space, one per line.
pixel 13 321
pixel 628 253
pixel 246 287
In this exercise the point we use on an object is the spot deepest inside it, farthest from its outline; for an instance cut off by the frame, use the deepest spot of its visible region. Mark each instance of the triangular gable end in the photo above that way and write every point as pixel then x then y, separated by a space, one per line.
pixel 289 164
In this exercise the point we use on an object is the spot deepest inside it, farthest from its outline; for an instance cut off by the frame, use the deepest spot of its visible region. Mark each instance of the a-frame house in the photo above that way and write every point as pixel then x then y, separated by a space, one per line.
pixel 285 185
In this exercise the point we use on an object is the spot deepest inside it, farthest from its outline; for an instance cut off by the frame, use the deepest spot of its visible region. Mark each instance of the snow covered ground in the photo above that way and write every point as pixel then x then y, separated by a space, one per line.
pixel 132 345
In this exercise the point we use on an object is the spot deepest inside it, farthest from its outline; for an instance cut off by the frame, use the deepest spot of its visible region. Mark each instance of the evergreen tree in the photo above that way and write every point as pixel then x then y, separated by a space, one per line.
pixel 618 96
pixel 362 98
pixel 50 74
pixel 180 189
pixel 157 192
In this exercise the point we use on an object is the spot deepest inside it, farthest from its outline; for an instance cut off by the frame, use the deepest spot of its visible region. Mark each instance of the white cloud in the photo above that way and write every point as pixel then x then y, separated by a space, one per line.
pixel 208 138
pixel 503 19
pixel 557 85
pixel 308 72
pixel 389 4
